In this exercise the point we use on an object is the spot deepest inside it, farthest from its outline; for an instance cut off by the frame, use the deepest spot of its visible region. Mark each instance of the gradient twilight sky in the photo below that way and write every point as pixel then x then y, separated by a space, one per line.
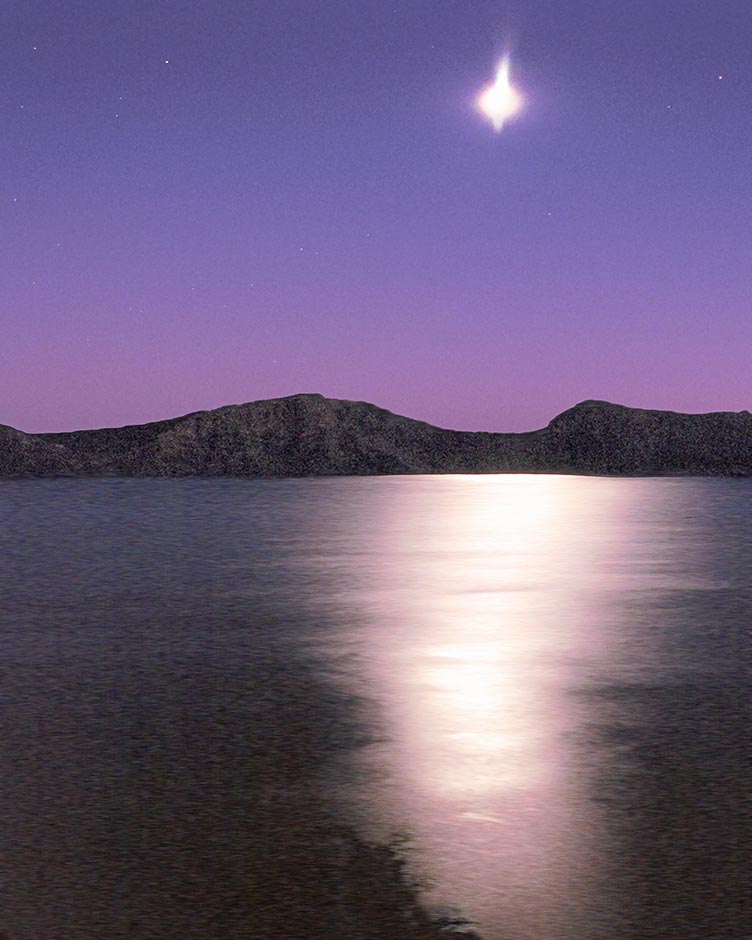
pixel 205 203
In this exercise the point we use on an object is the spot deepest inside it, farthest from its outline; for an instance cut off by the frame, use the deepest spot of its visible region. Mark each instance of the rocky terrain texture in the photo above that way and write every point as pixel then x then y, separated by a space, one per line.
pixel 309 435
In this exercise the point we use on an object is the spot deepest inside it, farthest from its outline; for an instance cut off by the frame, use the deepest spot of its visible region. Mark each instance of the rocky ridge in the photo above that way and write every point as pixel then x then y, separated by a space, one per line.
pixel 309 435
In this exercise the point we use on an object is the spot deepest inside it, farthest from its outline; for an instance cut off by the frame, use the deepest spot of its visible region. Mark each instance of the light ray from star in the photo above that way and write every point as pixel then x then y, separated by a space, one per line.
pixel 500 101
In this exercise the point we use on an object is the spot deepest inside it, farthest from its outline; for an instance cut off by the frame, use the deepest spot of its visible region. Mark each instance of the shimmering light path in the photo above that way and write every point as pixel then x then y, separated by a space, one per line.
pixel 215 690
pixel 517 631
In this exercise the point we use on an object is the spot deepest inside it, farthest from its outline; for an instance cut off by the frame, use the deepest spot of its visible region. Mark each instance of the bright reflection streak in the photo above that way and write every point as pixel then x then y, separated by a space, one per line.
pixel 500 101
pixel 477 614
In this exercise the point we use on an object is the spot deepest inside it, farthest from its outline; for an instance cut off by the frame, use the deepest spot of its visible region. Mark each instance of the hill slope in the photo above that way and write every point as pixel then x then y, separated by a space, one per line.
pixel 304 435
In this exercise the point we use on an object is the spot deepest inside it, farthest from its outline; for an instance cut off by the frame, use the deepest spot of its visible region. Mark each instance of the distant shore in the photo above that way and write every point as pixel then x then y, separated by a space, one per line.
pixel 309 435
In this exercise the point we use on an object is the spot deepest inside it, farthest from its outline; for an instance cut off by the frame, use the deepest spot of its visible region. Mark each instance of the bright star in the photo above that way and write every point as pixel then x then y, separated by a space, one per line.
pixel 500 101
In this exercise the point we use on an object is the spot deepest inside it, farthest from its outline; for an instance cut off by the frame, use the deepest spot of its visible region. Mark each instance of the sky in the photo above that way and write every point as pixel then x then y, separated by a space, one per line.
pixel 210 203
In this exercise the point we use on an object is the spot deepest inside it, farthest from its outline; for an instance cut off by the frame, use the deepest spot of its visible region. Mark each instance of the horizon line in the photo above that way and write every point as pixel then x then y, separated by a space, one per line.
pixel 354 401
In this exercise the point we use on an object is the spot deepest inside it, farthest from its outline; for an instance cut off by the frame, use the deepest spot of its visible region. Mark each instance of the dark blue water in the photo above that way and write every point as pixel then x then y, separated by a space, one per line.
pixel 216 694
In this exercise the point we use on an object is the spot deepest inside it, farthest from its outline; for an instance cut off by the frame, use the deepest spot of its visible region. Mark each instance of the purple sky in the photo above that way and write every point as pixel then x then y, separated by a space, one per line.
pixel 304 198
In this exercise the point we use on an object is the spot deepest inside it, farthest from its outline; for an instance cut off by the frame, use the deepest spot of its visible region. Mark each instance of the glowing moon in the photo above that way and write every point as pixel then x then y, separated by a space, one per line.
pixel 500 101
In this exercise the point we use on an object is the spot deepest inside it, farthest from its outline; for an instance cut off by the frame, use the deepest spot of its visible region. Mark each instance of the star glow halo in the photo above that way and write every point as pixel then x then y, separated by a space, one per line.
pixel 500 102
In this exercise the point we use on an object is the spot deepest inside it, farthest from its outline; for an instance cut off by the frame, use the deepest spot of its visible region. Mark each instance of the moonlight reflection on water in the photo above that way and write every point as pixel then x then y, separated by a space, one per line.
pixel 542 681
pixel 490 609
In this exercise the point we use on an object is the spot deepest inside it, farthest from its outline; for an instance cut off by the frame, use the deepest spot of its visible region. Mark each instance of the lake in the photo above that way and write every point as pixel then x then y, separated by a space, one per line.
pixel 222 698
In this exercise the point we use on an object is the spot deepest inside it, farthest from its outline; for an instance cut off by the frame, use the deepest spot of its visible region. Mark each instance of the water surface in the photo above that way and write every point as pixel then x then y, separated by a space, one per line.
pixel 540 684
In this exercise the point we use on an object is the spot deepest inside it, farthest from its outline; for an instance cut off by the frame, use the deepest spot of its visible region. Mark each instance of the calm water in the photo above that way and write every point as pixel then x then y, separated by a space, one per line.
pixel 540 684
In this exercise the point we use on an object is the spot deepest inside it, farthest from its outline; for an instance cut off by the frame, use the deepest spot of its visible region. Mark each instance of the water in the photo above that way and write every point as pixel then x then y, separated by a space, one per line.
pixel 215 694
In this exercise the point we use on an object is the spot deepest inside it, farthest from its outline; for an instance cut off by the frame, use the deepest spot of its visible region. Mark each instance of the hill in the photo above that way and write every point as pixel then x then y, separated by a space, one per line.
pixel 309 435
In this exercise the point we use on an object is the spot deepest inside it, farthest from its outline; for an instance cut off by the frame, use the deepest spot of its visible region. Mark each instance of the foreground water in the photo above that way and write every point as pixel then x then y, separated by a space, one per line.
pixel 216 694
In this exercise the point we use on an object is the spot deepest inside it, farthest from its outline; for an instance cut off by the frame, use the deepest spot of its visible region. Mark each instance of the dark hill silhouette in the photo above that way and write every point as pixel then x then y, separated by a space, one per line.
pixel 309 435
